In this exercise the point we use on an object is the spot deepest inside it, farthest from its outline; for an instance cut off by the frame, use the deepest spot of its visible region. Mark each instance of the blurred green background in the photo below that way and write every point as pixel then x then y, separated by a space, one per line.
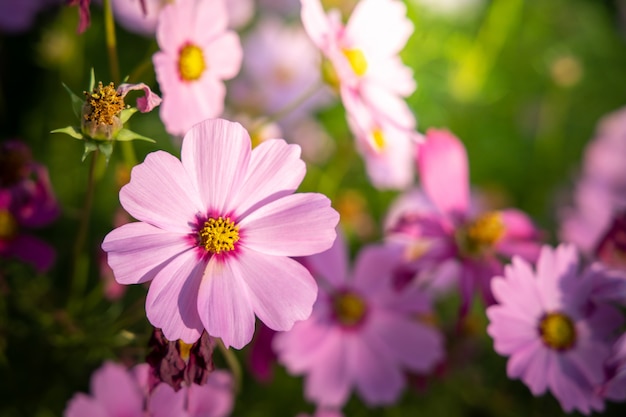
pixel 522 83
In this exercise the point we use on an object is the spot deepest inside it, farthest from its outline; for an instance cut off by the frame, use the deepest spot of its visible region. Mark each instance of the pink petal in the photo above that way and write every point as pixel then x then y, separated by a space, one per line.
pixel 215 154
pixel 556 273
pixel 138 251
pixel 281 290
pixel 275 170
pixel 113 386
pixel 165 402
pixel 213 399
pixel 332 264
pixel 443 168
pixel 510 331
pixel 160 193
pixel 144 104
pixel 315 21
pixel 296 225
pixel 535 376
pixel 224 56
pixel 373 268
pixel 224 303
pixel 171 300
pixel 82 405
pixel 210 19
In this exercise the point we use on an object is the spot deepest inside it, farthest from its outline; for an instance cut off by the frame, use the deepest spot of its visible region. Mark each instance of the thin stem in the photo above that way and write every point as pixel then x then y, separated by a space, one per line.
pixel 109 27
pixel 293 105
pixel 232 362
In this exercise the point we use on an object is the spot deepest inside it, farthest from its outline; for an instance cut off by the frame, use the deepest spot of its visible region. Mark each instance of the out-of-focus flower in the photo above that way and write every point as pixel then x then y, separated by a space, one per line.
pixel 441 225
pixel 261 356
pixel 213 399
pixel 556 337
pixel 611 248
pixel 363 333
pixel 453 8
pixel 215 235
pixel 600 193
pixel 17 16
pixel 115 391
pixel 615 387
pixel 84 16
pixel 197 54
pixel 323 412
pixel 280 65
pixel 103 114
pixel 177 363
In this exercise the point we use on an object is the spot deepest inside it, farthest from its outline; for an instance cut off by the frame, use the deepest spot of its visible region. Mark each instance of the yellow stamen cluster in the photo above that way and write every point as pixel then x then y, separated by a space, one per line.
pixel 481 234
pixel 349 308
pixel 219 235
pixel 557 331
pixel 103 105
pixel 379 139
pixel 357 60
pixel 184 349
pixel 191 62
pixel 8 225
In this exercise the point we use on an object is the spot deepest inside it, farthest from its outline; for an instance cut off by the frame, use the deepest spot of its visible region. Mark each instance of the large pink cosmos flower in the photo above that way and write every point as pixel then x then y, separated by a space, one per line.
pixel 363 334
pixel 197 54
pixel 556 337
pixel 215 233
pixel 442 227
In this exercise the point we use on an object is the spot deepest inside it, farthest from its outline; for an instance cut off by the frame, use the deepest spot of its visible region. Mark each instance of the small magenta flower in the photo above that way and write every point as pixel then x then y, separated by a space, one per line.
pixel 216 232
pixel 363 335
pixel 197 54
pixel 556 336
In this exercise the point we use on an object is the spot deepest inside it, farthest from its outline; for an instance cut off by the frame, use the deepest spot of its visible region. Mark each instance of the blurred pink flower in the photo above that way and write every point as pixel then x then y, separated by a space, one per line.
pixel 442 227
pixel 115 391
pixel 323 412
pixel 197 54
pixel 363 334
pixel 215 235
pixel 556 337
pixel 615 387
pixel 17 16
pixel 213 399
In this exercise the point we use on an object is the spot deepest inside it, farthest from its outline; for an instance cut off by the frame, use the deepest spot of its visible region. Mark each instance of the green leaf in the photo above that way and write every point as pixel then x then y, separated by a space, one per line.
pixel 125 135
pixel 72 131
pixel 77 102
pixel 127 113
pixel 89 147
pixel 106 148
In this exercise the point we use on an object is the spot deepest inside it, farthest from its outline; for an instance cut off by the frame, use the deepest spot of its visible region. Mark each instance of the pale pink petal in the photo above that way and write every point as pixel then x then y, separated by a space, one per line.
pixel 138 251
pixel 332 264
pixel 391 74
pixel 377 378
pixel 160 193
pixel 214 398
pixel 443 170
pixel 146 103
pixel 224 303
pixel 171 300
pixel 535 375
pixel 113 386
pixel 315 22
pixel 275 170
pixel 386 103
pixel 210 19
pixel 556 269
pixel 82 405
pixel 296 225
pixel 215 154
pixel 165 402
pixel 281 290
pixel 510 331
pixel 373 268
pixel 224 56
pixel 172 18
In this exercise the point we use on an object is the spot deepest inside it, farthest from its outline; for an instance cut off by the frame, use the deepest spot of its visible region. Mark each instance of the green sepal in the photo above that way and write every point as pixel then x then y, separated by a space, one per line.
pixel 72 131
pixel 107 149
pixel 127 113
pixel 92 80
pixel 77 102
pixel 126 135
pixel 89 147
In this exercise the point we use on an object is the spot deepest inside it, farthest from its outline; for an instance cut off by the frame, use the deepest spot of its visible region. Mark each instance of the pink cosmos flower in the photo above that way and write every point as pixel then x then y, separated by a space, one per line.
pixel 615 387
pixel 115 391
pixel 442 226
pixel 363 334
pixel 323 412
pixel 556 337
pixel 215 234
pixel 197 54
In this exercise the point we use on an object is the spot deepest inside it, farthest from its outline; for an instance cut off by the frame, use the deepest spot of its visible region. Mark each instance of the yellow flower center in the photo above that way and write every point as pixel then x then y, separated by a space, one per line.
pixel 349 308
pixel 557 331
pixel 103 104
pixel 481 234
pixel 184 349
pixel 378 138
pixel 8 225
pixel 357 60
pixel 329 74
pixel 191 62
pixel 219 235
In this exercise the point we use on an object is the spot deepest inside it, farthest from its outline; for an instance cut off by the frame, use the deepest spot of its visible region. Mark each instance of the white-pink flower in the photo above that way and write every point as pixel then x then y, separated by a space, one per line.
pixel 215 233
pixel 197 54
pixel 363 334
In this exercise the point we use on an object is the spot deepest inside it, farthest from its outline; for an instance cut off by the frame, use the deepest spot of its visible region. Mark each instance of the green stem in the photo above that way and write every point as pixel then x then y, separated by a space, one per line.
pixel 232 362
pixel 293 105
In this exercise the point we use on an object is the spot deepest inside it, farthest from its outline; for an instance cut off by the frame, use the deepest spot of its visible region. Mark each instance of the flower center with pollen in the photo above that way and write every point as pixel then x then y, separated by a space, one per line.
pixel 8 225
pixel 191 62
pixel 349 308
pixel 378 137
pixel 481 234
pixel 219 235
pixel 557 331
pixel 103 104
pixel 357 60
